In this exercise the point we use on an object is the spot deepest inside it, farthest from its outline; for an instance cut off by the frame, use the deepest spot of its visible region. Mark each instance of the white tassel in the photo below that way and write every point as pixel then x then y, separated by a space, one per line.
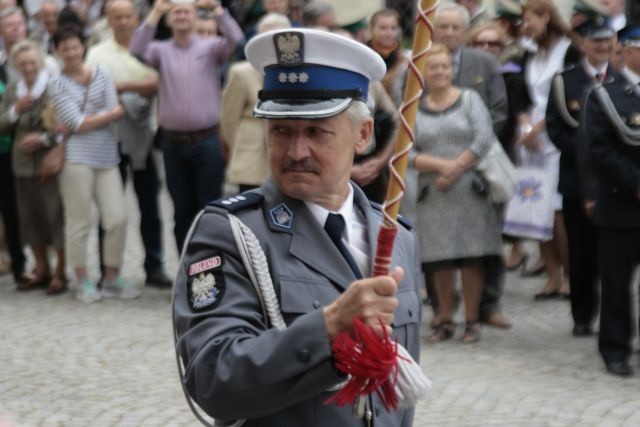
pixel 412 384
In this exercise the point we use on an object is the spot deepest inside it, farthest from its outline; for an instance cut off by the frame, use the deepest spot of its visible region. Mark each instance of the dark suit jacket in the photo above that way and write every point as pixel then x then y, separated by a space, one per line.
pixel 480 71
pixel 576 180
pixel 616 163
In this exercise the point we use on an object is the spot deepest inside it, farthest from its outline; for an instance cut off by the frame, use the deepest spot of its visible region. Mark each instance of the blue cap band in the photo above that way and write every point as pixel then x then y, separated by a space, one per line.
pixel 629 34
pixel 314 78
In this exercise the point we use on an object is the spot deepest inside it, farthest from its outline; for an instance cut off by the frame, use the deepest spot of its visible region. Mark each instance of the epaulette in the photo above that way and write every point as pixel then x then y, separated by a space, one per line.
pixel 239 201
pixel 401 220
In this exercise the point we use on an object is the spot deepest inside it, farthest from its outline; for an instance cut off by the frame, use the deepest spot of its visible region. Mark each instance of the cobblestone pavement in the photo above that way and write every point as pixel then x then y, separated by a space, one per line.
pixel 64 363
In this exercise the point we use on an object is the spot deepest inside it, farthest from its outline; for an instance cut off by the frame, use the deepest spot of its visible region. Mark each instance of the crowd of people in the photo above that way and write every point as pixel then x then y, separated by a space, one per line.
pixel 98 85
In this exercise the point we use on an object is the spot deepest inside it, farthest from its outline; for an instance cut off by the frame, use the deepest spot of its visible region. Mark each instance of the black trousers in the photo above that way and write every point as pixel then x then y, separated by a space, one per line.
pixel 619 254
pixel 9 211
pixel 582 235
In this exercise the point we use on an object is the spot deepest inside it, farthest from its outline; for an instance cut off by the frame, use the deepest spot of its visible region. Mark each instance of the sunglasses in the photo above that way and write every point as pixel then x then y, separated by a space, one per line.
pixel 486 43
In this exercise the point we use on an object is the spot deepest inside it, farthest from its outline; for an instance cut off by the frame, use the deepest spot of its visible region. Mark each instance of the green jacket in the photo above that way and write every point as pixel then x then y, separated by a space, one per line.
pixel 5 139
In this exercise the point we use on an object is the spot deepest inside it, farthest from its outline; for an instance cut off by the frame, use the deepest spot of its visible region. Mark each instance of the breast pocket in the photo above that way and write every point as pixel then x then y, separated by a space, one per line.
pixel 304 295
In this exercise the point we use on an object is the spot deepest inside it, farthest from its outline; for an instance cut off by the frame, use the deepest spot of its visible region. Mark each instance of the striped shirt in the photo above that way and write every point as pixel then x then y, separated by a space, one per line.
pixel 97 148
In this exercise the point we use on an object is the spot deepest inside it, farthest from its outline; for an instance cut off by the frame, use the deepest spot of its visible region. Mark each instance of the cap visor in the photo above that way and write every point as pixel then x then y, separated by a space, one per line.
pixel 605 34
pixel 301 109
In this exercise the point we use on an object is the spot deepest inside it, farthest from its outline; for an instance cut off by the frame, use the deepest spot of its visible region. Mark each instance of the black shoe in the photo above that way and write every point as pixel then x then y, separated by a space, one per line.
pixel 545 296
pixel 535 272
pixel 519 265
pixel 158 280
pixel 619 368
pixel 580 330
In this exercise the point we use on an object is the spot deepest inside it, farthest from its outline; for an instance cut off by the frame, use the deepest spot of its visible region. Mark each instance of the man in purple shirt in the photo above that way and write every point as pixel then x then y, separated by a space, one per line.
pixel 188 102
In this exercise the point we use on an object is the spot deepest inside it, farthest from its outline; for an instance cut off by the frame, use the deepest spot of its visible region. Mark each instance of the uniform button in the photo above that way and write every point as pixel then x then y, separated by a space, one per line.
pixel 303 355
pixel 410 313
pixel 316 304
pixel 377 410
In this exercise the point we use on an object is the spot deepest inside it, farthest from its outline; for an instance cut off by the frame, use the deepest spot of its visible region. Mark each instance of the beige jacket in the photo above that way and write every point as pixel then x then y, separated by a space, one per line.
pixel 244 134
pixel 25 164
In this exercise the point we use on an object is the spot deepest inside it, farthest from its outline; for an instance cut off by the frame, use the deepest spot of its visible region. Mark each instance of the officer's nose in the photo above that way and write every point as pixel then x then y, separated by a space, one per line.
pixel 298 148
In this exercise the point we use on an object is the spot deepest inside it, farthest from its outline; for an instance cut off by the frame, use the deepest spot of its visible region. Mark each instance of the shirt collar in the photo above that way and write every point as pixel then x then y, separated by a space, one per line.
pixel 480 10
pixel 592 71
pixel 346 210
pixel 38 88
pixel 631 76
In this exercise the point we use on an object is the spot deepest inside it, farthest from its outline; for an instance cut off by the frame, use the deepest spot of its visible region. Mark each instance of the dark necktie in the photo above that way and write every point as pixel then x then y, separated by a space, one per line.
pixel 334 228
pixel 599 77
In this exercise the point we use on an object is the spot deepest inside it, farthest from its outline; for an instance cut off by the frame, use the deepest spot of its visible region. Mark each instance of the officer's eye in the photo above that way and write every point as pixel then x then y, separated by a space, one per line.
pixel 316 131
pixel 280 130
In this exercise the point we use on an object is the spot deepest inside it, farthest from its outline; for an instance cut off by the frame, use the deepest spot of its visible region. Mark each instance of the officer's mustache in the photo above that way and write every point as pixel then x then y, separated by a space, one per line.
pixel 304 165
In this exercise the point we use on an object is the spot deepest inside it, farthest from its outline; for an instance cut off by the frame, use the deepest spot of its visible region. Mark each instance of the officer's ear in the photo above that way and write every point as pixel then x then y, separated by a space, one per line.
pixel 364 134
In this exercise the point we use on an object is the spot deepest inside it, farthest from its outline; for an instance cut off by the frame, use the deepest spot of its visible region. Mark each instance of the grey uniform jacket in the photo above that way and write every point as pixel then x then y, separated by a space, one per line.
pixel 480 71
pixel 236 367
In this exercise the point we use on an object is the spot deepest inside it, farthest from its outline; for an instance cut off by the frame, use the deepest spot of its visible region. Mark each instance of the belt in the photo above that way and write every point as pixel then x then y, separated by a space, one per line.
pixel 185 137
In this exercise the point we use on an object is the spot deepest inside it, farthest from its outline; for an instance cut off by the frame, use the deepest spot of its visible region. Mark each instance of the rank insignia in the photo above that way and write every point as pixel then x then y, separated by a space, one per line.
pixel 574 105
pixel 634 119
pixel 206 283
pixel 289 48
pixel 282 216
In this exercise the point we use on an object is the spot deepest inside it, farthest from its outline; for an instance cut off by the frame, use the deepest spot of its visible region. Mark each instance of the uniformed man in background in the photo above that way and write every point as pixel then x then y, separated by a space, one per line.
pixel 613 124
pixel 564 114
pixel 318 233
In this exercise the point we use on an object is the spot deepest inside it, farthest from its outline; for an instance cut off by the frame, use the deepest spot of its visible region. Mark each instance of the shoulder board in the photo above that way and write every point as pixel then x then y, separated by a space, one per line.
pixel 401 220
pixel 239 201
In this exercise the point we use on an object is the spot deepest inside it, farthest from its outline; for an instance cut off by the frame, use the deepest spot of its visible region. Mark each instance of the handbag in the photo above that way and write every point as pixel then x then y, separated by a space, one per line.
pixel 53 163
pixel 499 173
pixel 530 214
pixel 495 167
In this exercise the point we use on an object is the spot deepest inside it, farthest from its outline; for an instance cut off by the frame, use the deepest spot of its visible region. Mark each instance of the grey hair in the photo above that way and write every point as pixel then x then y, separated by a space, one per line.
pixel 461 10
pixel 24 46
pixel 271 21
pixel 314 10
pixel 357 113
pixel 11 11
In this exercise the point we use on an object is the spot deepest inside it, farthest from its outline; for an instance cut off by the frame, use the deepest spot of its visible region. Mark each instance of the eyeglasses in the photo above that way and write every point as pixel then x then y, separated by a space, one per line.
pixel 486 43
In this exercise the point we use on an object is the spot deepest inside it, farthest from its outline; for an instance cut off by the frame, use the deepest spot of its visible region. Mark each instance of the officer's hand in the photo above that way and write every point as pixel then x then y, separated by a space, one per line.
pixel 371 300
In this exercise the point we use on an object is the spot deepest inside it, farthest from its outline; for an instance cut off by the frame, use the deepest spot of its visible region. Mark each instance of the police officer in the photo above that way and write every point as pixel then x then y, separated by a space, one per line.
pixel 613 123
pixel 578 192
pixel 235 365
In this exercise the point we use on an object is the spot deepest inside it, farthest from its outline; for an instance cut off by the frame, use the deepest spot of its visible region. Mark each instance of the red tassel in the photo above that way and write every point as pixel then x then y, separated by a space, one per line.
pixel 371 362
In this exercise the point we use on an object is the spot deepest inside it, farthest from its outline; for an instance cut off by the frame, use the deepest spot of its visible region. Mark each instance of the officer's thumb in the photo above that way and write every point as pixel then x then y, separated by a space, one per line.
pixel 397 274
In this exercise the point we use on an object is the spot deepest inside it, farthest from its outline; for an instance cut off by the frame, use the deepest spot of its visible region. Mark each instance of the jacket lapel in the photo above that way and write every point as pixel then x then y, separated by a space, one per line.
pixel 372 219
pixel 309 243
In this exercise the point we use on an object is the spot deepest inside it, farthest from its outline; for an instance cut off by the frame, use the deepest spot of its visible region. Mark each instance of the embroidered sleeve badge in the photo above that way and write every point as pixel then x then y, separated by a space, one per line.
pixel 206 283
